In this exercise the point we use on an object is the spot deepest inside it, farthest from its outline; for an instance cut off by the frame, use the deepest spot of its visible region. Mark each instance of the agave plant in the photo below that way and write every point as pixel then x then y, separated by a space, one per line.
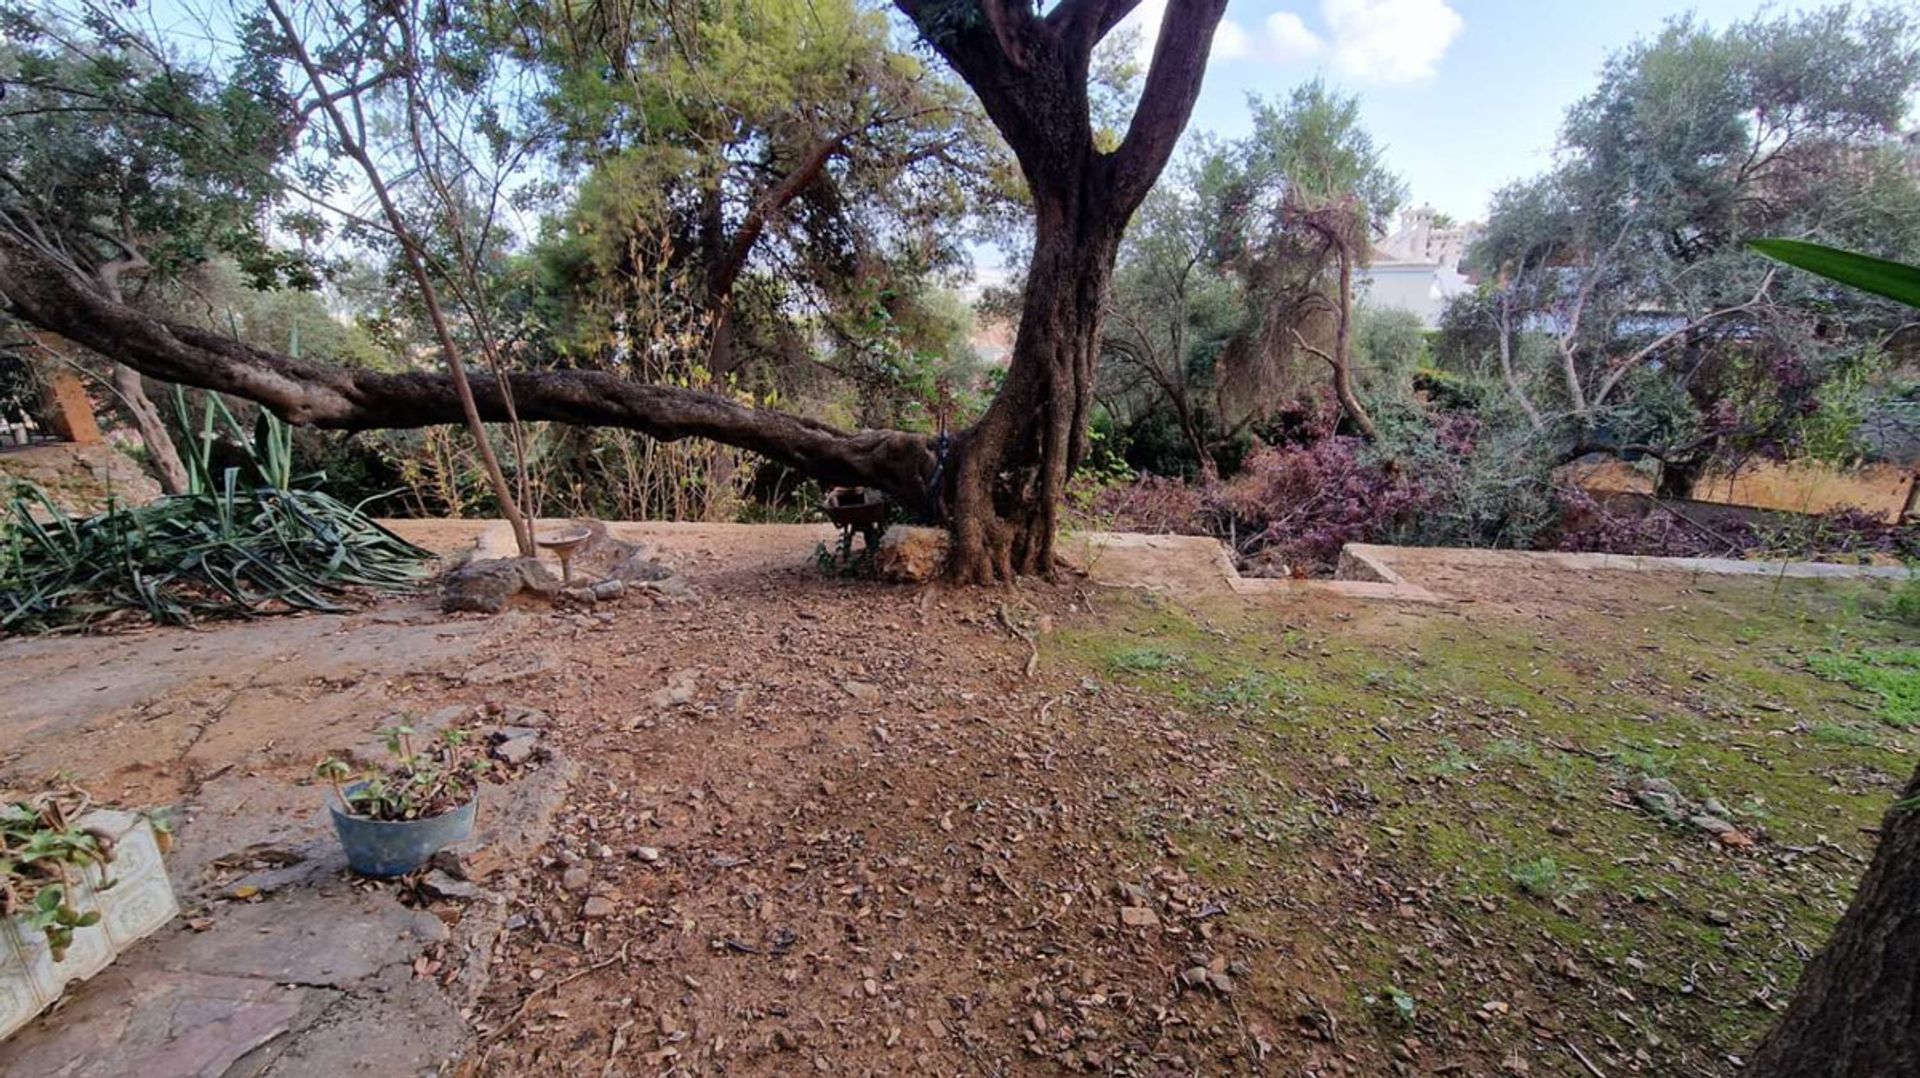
pixel 1895 280
pixel 242 541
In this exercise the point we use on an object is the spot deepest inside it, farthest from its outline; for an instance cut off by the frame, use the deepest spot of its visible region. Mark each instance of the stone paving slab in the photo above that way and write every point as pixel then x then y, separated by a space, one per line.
pixel 312 977
pixel 314 973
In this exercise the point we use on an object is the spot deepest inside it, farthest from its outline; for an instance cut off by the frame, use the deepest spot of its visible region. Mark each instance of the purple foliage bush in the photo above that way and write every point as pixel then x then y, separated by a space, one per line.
pixel 1292 507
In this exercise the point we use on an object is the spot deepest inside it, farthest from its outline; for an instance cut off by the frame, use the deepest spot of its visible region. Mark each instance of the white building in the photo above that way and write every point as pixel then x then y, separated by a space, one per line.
pixel 1417 268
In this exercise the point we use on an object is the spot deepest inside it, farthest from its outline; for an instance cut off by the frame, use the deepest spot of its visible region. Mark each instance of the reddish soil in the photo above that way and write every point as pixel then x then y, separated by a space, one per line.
pixel 871 843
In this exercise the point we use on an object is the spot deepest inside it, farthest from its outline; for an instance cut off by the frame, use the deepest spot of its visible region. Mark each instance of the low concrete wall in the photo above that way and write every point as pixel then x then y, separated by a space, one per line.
pixel 1581 562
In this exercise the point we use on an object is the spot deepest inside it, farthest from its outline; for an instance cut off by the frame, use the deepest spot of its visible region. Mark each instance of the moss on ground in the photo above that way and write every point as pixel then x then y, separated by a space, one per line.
pixel 1485 769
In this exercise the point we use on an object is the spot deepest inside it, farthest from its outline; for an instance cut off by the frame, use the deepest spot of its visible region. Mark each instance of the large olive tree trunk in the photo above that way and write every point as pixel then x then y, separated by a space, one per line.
pixel 1857 1013
pixel 1030 72
pixel 999 486
pixel 1014 464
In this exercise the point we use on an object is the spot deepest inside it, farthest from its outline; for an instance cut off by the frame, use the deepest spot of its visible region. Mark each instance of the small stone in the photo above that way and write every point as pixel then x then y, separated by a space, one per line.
pixel 597 908
pixel 681 688
pixel 1719 917
pixel 515 716
pixel 642 568
pixel 862 691
pixel 441 884
pixel 1138 917
pixel 1221 982
pixel 649 854
pixel 672 587
pixel 1713 825
pixel 576 879
pixel 581 595
pixel 911 555
pixel 516 751
pixel 489 585
pixel 609 590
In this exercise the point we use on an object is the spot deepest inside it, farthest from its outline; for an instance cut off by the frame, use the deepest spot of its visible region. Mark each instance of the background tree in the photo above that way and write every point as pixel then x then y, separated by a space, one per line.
pixel 126 165
pixel 1173 310
pixel 1665 337
pixel 997 483
pixel 1311 194
pixel 811 175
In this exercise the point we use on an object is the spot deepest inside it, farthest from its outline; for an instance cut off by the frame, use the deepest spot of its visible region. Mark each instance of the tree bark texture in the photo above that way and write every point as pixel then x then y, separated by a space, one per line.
pixel 161 452
pixel 1857 1011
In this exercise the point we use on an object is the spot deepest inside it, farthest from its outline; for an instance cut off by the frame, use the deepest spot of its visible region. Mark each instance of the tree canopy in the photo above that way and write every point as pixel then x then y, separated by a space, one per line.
pixel 1667 336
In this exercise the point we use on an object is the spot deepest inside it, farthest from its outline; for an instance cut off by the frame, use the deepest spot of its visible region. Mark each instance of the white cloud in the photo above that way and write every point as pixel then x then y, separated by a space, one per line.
pixel 1230 42
pixel 1390 40
pixel 1289 38
pixel 1368 40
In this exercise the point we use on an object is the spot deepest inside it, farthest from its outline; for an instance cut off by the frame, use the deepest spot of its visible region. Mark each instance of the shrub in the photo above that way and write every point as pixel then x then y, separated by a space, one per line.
pixel 1151 504
pixel 1905 604
pixel 242 541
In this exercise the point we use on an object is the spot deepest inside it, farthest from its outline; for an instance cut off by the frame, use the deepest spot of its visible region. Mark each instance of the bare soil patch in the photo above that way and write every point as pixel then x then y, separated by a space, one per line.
pixel 824 825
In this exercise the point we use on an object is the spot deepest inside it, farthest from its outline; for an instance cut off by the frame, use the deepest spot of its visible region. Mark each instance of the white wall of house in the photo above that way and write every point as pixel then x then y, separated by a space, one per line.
pixel 1417 268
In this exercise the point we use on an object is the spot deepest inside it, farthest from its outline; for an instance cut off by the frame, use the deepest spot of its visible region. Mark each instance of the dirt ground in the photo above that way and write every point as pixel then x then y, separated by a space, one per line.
pixel 836 826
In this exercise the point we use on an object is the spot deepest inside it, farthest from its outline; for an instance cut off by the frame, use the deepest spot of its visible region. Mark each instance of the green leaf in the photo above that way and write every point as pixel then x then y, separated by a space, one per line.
pixel 1894 280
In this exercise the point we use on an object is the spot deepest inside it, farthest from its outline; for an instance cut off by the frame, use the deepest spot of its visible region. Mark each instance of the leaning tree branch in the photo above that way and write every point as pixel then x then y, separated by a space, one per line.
pixel 1622 368
pixel 42 292
pixel 1166 101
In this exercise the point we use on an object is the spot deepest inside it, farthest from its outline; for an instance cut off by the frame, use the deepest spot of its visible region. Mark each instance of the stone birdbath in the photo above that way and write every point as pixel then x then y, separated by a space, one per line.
pixel 563 544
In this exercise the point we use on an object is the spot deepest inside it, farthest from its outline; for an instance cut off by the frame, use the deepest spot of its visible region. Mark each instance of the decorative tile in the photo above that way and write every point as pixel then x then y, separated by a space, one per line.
pixel 135 906
pixel 138 900
pixel 20 997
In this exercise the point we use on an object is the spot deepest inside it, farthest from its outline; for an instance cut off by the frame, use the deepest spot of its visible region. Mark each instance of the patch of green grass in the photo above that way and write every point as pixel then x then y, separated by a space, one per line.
pixel 1636 759
pixel 1144 660
pixel 1834 733
pixel 1453 761
pixel 1252 690
pixel 1712 689
pixel 1904 605
pixel 1892 674
pixel 1543 877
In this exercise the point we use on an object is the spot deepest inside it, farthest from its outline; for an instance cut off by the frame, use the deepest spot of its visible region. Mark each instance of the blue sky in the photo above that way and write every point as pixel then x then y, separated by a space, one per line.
pixel 1466 95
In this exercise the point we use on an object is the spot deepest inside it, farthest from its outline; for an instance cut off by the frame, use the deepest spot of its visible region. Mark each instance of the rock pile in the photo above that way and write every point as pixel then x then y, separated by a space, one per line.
pixel 605 570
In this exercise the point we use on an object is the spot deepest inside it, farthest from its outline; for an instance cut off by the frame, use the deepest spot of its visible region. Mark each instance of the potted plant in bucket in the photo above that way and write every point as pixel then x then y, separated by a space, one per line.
pixel 393 820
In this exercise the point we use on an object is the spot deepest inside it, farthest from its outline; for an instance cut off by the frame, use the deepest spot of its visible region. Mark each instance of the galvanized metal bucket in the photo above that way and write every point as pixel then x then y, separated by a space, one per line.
pixel 384 848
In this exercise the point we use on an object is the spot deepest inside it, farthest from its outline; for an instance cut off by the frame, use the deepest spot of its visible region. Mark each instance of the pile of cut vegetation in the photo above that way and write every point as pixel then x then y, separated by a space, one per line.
pixel 252 539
